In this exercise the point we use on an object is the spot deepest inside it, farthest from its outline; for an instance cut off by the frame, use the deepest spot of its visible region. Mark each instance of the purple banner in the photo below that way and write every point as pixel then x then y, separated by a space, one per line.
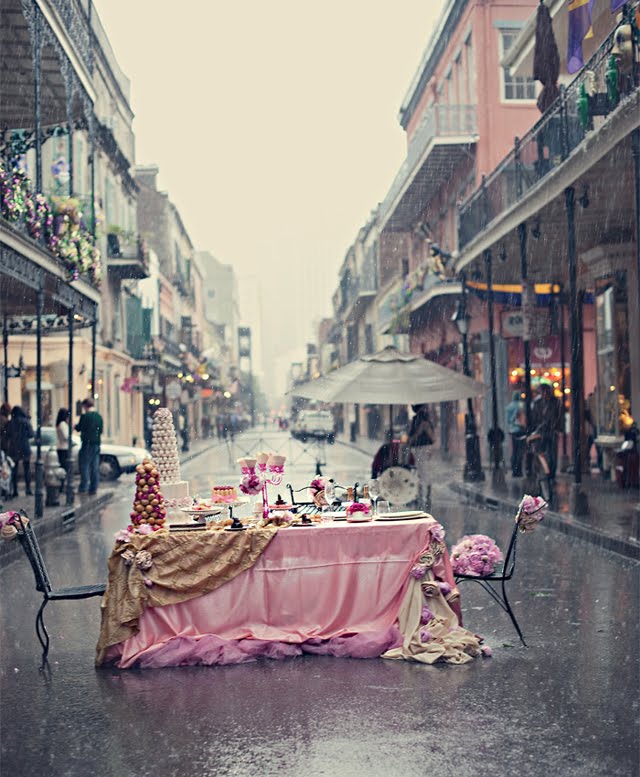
pixel 579 29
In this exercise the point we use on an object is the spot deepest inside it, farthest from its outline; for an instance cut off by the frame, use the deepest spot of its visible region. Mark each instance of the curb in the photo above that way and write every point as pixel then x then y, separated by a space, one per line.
pixel 354 446
pixel 191 456
pixel 561 523
pixel 64 519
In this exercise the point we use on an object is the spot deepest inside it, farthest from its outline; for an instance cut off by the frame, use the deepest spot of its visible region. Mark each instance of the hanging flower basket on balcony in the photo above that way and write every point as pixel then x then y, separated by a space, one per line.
pixel 57 223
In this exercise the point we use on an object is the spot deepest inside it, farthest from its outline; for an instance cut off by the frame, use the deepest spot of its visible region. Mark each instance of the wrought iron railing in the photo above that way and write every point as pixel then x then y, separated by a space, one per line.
pixel 74 15
pixel 128 246
pixel 438 121
pixel 366 282
pixel 556 135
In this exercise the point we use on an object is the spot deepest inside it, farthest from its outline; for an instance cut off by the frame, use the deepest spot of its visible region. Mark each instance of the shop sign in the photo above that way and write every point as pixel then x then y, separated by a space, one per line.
pixel 512 323
pixel 544 353
pixel 528 310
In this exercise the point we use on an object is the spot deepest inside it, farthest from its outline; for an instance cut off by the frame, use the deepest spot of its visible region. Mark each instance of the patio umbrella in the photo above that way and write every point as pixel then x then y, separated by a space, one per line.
pixel 546 59
pixel 393 378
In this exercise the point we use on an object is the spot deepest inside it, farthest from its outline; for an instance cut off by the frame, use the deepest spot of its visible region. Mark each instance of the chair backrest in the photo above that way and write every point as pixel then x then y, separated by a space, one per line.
pixel 27 537
pixel 510 558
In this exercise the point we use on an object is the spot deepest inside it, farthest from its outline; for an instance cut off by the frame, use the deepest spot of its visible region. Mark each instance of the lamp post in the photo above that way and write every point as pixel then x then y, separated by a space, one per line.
pixel 496 435
pixel 473 466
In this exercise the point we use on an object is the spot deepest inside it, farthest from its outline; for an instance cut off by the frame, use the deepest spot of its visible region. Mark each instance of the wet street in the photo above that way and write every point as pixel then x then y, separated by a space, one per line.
pixel 567 705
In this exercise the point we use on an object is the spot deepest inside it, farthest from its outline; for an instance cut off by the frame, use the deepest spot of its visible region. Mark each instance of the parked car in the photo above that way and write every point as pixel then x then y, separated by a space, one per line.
pixel 114 459
pixel 314 423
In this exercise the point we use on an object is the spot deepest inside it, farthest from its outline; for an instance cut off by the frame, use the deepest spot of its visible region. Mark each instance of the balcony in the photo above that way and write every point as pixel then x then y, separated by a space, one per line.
pixel 439 144
pixel 354 291
pixel 184 287
pixel 127 256
pixel 568 134
pixel 75 18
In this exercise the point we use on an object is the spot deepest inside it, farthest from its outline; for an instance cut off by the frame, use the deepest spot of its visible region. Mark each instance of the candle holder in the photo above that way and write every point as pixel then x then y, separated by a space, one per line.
pixel 267 469
pixel 236 524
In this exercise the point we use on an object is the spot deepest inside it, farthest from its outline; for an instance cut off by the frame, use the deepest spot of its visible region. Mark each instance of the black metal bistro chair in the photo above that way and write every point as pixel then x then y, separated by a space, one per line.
pixel 27 537
pixel 490 582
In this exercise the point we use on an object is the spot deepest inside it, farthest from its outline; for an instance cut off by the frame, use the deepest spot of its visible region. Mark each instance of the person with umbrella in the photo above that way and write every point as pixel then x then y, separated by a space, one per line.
pixel 421 434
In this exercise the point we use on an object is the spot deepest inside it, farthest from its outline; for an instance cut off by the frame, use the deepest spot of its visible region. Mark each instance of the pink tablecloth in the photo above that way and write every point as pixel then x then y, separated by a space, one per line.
pixel 333 588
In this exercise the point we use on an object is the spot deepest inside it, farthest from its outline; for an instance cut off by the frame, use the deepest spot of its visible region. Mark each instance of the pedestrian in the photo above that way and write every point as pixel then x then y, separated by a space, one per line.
pixel 148 430
pixel 421 434
pixel 590 416
pixel 517 427
pixel 183 426
pixel 5 417
pixel 6 476
pixel 19 433
pixel 547 418
pixel 90 427
pixel 392 453
pixel 62 436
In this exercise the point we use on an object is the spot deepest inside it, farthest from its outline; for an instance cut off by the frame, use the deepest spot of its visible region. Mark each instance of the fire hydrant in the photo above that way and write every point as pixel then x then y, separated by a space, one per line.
pixel 54 477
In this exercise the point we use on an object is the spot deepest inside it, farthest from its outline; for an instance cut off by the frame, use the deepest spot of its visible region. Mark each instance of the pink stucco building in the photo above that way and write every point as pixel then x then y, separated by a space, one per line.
pixel 461 114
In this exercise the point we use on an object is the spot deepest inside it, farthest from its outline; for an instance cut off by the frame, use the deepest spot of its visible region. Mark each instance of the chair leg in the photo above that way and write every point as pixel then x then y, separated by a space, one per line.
pixel 503 601
pixel 511 615
pixel 41 631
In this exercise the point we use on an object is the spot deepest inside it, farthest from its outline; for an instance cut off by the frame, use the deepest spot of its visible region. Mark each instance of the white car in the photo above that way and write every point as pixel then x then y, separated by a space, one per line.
pixel 314 423
pixel 114 459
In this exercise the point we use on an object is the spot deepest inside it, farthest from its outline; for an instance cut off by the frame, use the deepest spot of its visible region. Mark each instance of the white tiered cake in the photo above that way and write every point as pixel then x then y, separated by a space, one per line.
pixel 164 451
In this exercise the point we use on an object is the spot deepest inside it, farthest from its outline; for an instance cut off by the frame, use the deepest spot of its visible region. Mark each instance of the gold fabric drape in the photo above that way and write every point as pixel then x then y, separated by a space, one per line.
pixel 183 566
pixel 448 642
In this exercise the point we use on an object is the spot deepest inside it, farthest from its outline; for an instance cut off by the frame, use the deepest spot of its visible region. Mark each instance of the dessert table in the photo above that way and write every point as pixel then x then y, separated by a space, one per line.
pixel 359 590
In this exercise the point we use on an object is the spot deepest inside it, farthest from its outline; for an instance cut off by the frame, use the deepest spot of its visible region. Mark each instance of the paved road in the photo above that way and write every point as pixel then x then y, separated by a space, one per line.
pixel 567 705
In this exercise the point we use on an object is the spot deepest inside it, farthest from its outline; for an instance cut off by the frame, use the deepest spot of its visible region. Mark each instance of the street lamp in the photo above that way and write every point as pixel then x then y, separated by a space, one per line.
pixel 473 466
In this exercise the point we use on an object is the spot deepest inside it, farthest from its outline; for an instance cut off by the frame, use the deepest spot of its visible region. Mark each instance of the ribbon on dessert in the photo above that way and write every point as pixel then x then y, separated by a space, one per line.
pixel 183 566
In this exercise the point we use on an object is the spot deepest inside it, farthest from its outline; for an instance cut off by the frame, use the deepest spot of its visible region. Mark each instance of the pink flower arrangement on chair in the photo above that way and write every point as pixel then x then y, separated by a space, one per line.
pixel 530 512
pixel 476 555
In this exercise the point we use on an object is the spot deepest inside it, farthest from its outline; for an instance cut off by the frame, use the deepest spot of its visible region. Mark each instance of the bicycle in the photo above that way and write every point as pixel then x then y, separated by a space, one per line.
pixel 537 466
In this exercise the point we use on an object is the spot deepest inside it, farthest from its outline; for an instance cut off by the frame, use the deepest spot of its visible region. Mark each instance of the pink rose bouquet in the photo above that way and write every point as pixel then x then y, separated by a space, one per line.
pixel 358 507
pixel 316 485
pixel 530 512
pixel 250 484
pixel 316 491
pixel 9 524
pixel 476 555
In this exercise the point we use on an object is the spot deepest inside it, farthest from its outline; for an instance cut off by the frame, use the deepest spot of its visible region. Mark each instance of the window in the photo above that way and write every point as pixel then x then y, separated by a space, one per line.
pixel 514 87
pixel 458 79
pixel 471 85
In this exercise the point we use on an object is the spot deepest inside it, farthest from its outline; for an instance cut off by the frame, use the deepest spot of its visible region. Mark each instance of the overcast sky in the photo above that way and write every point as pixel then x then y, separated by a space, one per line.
pixel 275 128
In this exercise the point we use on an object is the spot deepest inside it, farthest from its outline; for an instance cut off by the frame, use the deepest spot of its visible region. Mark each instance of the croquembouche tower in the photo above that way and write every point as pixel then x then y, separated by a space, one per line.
pixel 148 504
pixel 164 451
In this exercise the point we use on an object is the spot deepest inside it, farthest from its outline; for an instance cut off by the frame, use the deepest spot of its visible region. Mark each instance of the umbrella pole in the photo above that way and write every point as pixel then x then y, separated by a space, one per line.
pixel 391 421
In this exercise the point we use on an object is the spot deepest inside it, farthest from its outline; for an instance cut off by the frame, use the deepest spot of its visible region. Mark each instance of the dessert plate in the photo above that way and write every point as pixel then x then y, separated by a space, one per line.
pixel 407 515
pixel 203 511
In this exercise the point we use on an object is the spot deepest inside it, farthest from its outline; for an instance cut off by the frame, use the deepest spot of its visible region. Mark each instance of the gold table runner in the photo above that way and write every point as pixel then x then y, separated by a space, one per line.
pixel 183 566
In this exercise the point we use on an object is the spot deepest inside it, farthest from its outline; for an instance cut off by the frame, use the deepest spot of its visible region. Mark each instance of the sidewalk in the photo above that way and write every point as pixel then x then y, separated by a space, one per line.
pixel 63 518
pixel 614 515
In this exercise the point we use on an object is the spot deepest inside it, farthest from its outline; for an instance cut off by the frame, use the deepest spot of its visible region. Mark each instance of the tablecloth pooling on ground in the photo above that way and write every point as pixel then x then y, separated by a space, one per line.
pixel 359 590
